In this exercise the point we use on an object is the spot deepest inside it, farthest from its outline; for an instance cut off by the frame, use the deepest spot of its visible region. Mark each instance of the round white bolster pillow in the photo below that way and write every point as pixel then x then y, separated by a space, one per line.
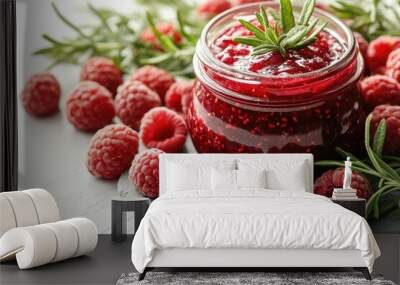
pixel 40 244
pixel 27 208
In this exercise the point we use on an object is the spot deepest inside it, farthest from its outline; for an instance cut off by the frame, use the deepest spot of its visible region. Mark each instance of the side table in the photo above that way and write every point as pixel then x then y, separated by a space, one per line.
pixel 119 207
pixel 356 205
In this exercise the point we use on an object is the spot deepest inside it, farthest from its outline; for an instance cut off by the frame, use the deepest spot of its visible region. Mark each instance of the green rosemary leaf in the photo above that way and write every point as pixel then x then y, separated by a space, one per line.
pixel 308 41
pixel 281 38
pixel 165 42
pixel 271 35
pixel 371 18
pixel 275 16
pixel 388 170
pixel 379 138
pixel 367 140
pixel 287 17
pixel 306 12
pixel 318 29
pixel 381 166
pixel 248 41
pixel 348 8
pixel 264 16
pixel 156 59
pixel 344 154
pixel 311 38
pixel 260 19
pixel 182 29
pixel 67 22
pixel 264 46
pixel 100 16
pixel 43 51
pixel 328 163
pixel 289 36
pixel 374 199
pixel 262 51
pixel 312 25
pixel 389 157
pixel 257 32
pixel 52 40
pixel 376 206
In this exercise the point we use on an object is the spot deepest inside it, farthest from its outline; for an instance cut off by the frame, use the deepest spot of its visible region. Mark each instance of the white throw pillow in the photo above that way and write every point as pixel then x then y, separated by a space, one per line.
pixel 189 174
pixel 183 177
pixel 282 174
pixel 251 178
pixel 223 179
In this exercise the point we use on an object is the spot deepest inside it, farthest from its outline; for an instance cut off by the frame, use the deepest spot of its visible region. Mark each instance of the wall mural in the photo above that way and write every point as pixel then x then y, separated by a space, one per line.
pixel 104 88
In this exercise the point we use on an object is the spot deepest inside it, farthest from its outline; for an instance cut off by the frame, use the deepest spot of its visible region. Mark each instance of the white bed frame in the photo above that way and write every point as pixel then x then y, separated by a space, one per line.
pixel 251 258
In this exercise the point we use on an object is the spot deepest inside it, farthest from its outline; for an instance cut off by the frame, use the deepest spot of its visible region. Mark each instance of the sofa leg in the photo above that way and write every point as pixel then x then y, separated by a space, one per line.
pixel 365 272
pixel 143 274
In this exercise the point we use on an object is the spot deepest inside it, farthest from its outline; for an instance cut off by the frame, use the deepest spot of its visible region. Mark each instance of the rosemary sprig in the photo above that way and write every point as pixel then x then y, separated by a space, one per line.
pixel 116 36
pixel 172 57
pixel 285 35
pixel 371 18
pixel 383 171
pixel 112 37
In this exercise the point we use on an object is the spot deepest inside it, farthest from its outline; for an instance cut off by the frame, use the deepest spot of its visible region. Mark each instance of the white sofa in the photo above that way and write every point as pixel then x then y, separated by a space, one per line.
pixel 31 231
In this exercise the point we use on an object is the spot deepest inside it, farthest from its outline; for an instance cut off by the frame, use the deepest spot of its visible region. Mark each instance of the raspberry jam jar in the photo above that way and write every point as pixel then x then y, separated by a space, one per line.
pixel 307 101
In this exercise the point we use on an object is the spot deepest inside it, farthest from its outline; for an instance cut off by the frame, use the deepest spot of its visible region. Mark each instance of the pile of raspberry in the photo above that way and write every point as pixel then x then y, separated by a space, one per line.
pixel 130 124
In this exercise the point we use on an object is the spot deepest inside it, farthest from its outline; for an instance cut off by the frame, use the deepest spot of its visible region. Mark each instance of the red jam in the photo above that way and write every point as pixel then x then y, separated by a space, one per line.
pixel 323 52
pixel 306 101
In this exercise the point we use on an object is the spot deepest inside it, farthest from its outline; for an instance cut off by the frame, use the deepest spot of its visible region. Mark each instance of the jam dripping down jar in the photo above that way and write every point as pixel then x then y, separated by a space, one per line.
pixel 235 110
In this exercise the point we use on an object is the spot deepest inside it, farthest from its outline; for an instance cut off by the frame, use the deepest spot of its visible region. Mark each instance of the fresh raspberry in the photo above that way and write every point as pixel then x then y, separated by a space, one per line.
pixel 378 52
pixel 334 179
pixel 103 71
pixel 392 116
pixel 144 172
pixel 112 150
pixel 379 89
pixel 176 94
pixel 211 8
pixel 155 78
pixel 163 129
pixel 41 94
pixel 90 106
pixel 393 65
pixel 133 100
pixel 362 45
pixel 165 28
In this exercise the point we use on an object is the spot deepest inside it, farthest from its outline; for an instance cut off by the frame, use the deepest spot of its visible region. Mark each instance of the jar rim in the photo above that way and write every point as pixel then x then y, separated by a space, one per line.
pixel 205 55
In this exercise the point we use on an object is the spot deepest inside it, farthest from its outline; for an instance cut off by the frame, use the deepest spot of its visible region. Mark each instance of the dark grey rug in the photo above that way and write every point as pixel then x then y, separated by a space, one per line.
pixel 253 278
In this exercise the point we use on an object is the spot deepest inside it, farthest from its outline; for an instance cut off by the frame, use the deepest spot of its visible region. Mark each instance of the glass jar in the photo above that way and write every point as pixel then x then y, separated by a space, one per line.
pixel 236 111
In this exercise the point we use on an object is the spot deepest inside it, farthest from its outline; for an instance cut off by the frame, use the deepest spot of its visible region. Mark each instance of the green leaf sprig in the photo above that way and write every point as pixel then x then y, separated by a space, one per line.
pixel 383 171
pixel 371 18
pixel 172 57
pixel 283 35
pixel 117 36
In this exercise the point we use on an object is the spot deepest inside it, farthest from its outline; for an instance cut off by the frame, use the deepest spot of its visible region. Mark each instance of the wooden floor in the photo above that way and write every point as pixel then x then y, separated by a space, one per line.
pixel 110 259
pixel 103 266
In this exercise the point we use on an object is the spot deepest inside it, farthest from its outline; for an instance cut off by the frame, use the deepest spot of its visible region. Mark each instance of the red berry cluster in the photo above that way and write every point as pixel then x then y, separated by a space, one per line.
pixel 137 104
pixel 382 58
pixel 380 91
pixel 166 28
pixel 331 179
